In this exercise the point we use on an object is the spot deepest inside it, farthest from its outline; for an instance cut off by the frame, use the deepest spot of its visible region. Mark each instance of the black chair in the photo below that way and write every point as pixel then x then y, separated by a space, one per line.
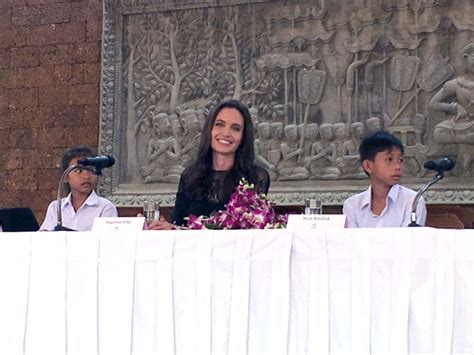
pixel 18 220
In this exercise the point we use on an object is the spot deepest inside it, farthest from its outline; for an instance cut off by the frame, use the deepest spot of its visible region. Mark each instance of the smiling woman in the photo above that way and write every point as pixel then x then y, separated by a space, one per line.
pixel 226 137
pixel 226 154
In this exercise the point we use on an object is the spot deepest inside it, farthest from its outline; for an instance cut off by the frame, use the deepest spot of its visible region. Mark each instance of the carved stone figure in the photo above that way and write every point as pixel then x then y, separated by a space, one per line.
pixel 254 114
pixel 274 155
pixel 374 124
pixel 311 132
pixel 289 168
pixel 176 128
pixel 344 161
pixel 415 152
pixel 317 152
pixel 341 134
pixel 351 146
pixel 163 153
pixel 456 98
pixel 190 137
pixel 323 155
pixel 262 147
pixel 351 165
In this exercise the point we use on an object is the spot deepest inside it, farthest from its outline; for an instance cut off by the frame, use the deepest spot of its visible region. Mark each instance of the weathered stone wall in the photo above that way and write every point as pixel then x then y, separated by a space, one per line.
pixel 317 75
pixel 49 93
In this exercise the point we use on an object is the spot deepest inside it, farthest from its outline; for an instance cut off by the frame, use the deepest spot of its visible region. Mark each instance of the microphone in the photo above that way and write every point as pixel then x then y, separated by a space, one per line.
pixel 100 162
pixel 440 165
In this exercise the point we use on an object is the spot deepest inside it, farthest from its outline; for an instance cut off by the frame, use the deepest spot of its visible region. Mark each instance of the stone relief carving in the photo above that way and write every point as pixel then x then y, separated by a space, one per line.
pixel 456 99
pixel 317 75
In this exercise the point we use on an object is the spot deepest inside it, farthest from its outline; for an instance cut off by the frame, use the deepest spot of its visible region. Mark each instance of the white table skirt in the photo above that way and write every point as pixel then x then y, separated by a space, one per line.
pixel 357 291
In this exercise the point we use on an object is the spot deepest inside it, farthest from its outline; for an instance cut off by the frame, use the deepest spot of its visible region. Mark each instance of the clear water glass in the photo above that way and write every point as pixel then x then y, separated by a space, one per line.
pixel 313 206
pixel 151 210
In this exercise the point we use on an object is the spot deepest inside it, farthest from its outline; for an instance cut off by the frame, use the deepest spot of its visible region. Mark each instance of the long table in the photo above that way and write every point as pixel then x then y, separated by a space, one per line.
pixel 357 291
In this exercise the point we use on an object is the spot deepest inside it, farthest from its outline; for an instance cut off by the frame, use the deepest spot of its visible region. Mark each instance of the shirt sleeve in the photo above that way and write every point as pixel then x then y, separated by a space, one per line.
pixel 181 204
pixel 348 209
pixel 109 210
pixel 50 220
pixel 263 180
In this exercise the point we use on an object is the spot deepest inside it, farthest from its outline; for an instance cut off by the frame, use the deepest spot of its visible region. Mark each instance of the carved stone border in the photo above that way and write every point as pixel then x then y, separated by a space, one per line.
pixel 296 198
pixel 448 191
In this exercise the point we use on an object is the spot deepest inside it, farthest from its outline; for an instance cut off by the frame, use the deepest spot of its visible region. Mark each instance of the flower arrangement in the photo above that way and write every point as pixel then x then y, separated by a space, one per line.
pixel 246 209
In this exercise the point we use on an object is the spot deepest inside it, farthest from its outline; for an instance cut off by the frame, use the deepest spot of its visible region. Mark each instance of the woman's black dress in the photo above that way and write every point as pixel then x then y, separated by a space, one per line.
pixel 214 199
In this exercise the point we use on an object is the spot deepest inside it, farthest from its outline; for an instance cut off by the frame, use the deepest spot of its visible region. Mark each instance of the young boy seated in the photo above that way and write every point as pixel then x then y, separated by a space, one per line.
pixel 82 205
pixel 385 203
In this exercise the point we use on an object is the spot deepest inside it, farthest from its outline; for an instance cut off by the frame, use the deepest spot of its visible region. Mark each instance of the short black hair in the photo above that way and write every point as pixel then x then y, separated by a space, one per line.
pixel 377 142
pixel 82 151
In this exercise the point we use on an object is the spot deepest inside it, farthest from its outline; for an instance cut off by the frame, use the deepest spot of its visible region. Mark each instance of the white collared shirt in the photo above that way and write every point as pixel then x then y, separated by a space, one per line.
pixel 396 213
pixel 82 220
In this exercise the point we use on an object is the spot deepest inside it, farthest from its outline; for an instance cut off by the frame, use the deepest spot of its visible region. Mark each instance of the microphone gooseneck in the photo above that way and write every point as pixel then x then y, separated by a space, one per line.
pixel 418 195
pixel 440 166
pixel 59 225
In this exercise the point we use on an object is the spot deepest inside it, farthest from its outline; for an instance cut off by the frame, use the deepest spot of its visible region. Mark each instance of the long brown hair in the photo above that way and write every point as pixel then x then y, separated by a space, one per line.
pixel 197 181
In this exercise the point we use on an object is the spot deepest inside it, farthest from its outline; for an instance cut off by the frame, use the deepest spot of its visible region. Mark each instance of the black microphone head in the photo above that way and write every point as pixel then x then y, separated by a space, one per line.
pixel 111 161
pixel 100 162
pixel 440 165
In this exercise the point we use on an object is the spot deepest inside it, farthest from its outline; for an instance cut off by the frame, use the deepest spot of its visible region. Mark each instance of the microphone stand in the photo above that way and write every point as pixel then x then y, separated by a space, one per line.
pixel 59 226
pixel 439 176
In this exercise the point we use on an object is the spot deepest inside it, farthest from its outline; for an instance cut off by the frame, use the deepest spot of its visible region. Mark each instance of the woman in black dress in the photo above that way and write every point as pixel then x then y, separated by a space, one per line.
pixel 226 154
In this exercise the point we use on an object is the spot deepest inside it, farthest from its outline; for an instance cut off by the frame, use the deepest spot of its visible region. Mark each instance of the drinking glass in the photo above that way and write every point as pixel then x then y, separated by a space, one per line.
pixel 151 210
pixel 313 206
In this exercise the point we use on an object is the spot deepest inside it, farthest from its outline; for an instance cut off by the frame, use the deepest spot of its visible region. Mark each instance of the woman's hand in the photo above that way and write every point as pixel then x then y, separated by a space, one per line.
pixel 160 225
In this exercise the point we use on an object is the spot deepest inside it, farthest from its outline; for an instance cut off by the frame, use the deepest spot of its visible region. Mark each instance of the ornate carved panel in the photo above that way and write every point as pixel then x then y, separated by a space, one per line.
pixel 317 75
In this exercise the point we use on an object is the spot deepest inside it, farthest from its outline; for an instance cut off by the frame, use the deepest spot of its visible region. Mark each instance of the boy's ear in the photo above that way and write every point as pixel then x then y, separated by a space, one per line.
pixel 367 166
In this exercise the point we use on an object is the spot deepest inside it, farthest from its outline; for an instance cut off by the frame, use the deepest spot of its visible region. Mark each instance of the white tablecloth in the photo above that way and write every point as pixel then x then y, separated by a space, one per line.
pixel 379 291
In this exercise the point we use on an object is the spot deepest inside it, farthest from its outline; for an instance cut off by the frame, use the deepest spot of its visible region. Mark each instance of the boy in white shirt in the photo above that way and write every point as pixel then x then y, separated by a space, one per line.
pixel 82 205
pixel 385 203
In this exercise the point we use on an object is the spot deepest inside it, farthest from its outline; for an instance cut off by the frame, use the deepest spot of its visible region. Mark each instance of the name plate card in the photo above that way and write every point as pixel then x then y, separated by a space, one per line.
pixel 118 224
pixel 316 221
